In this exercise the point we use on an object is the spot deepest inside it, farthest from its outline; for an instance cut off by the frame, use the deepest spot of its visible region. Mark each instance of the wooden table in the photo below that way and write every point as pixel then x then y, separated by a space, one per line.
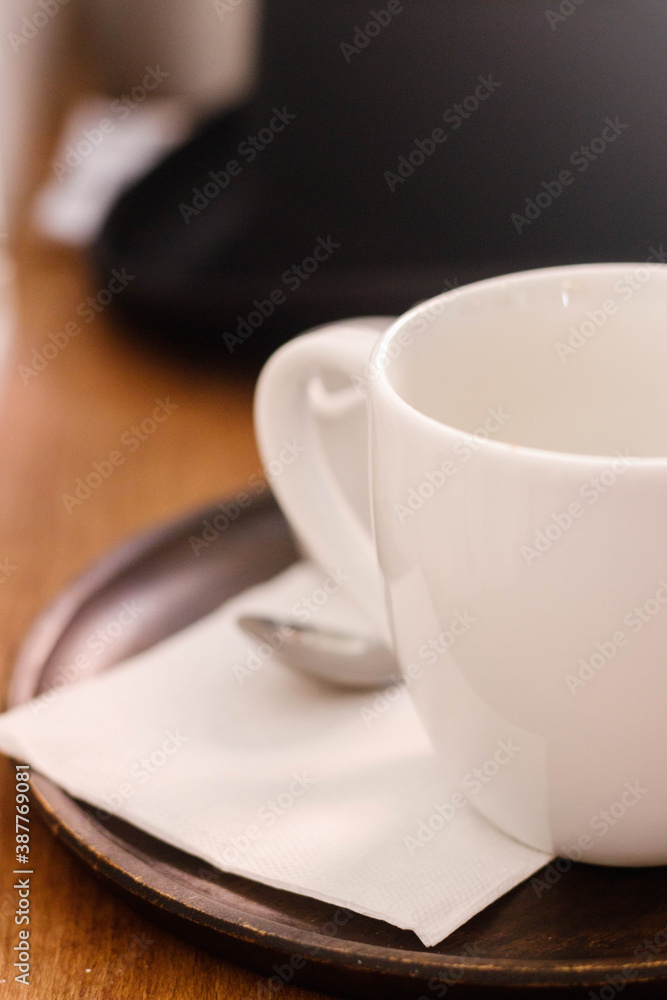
pixel 54 425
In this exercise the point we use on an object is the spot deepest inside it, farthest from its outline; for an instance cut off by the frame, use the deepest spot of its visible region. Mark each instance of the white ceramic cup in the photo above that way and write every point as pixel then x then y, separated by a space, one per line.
pixel 518 475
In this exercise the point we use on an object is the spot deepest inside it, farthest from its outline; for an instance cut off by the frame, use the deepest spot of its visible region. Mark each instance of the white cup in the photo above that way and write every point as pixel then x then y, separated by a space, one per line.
pixel 518 475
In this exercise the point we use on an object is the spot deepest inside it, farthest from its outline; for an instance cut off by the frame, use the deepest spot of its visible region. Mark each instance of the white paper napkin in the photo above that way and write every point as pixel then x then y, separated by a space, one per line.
pixel 208 742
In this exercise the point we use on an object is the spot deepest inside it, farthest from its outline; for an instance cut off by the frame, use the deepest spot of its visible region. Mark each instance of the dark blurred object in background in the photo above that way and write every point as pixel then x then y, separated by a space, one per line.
pixel 554 150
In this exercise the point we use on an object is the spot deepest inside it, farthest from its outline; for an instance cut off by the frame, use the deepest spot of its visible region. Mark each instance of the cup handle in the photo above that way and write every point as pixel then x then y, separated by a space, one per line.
pixel 311 496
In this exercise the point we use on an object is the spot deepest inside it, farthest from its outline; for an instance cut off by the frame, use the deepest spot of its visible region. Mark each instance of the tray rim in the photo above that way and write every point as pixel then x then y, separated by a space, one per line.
pixel 71 823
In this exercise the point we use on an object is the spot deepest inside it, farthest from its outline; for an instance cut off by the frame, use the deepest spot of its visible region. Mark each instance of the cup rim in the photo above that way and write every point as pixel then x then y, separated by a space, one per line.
pixel 378 362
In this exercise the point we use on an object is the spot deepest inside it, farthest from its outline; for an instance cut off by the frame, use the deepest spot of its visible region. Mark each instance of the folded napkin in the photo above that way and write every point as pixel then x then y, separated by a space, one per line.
pixel 208 742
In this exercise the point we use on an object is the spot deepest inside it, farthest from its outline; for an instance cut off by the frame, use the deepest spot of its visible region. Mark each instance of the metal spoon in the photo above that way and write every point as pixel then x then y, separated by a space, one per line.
pixel 338 658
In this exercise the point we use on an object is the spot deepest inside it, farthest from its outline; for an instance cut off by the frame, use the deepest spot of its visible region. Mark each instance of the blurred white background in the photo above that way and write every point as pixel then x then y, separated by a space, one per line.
pixel 206 48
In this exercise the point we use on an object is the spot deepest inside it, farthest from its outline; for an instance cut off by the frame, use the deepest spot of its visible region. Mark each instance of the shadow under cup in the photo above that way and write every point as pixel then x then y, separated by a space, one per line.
pixel 520 509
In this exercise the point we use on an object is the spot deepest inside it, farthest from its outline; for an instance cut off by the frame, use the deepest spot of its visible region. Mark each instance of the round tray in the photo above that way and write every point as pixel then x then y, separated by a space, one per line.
pixel 578 929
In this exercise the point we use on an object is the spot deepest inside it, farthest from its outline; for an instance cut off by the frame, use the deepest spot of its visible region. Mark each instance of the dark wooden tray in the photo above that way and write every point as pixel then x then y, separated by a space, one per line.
pixel 580 931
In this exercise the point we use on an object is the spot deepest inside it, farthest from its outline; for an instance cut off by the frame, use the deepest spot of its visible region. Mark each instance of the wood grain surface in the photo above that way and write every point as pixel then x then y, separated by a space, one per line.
pixel 54 426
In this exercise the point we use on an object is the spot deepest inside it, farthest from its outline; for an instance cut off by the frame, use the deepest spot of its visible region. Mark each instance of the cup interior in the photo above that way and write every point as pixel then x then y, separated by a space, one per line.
pixel 561 359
